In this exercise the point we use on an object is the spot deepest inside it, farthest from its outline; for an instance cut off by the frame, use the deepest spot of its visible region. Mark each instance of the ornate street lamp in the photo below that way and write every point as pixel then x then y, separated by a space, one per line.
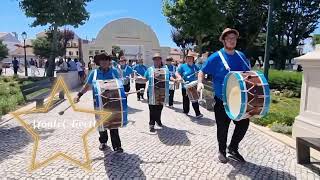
pixel 24 37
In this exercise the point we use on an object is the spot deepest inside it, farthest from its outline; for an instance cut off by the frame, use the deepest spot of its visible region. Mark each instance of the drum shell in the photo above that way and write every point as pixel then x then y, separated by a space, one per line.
pixel 255 95
pixel 192 91
pixel 159 86
pixel 141 80
pixel 112 99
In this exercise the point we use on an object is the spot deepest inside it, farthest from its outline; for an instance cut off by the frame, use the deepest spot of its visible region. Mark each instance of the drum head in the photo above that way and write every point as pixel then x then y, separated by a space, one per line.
pixel 233 94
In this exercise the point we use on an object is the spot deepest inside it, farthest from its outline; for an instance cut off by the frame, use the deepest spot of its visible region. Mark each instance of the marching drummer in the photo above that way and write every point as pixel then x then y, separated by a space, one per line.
pixel 104 72
pixel 127 72
pixel 188 73
pixel 155 108
pixel 140 69
pixel 172 71
pixel 218 65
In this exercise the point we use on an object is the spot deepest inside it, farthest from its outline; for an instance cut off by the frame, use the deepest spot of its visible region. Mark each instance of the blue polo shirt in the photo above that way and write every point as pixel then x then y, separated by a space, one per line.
pixel 188 73
pixel 214 66
pixel 140 68
pixel 126 70
pixel 102 75
pixel 172 70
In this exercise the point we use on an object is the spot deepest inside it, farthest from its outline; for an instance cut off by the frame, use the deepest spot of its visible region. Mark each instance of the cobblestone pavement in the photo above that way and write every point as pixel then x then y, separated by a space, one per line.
pixel 184 149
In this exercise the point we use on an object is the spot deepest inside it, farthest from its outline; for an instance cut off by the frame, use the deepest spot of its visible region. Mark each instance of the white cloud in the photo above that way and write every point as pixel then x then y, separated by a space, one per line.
pixel 103 14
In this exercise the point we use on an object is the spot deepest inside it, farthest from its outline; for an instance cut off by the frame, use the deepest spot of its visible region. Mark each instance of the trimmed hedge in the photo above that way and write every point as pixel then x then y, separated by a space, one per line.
pixel 10 93
pixel 286 81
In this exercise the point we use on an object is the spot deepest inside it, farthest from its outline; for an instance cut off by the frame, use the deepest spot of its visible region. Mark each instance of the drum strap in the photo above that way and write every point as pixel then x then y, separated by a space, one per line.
pixel 243 60
pixel 95 75
pixel 224 61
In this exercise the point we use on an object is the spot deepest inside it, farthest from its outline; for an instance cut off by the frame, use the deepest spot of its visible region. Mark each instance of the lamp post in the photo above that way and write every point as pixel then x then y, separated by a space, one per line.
pixel 24 37
pixel 268 41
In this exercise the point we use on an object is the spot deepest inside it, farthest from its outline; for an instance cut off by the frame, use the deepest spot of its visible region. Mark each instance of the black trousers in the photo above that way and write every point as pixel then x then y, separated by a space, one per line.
pixel 115 138
pixel 127 87
pixel 186 103
pixel 171 95
pixel 15 70
pixel 223 122
pixel 155 114
pixel 138 87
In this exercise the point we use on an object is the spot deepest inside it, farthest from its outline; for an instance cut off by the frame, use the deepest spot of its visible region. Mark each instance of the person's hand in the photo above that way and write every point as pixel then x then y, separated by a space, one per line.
pixel 200 86
pixel 76 99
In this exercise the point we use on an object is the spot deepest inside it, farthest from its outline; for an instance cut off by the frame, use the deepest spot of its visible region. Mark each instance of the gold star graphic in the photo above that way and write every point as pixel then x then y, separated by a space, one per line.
pixel 60 84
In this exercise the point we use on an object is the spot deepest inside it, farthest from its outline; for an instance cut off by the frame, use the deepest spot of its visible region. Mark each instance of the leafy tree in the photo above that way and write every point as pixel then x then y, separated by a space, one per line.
pixel 41 47
pixel 194 19
pixel 183 41
pixel 4 51
pixel 294 22
pixel 315 40
pixel 56 14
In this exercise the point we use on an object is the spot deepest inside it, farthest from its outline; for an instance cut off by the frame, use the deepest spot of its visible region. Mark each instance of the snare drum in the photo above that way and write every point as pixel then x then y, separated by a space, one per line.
pixel 177 85
pixel 140 80
pixel 110 96
pixel 192 92
pixel 171 85
pixel 159 86
pixel 245 95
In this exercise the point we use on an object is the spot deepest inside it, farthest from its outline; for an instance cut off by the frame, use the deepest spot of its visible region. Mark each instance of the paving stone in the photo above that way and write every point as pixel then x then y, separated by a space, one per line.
pixel 183 149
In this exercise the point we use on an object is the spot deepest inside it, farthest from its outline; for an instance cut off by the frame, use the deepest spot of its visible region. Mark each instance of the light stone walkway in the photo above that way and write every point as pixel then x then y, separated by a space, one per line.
pixel 184 149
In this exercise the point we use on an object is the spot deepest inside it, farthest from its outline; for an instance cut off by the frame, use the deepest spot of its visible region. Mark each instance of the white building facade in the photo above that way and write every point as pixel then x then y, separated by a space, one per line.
pixel 136 38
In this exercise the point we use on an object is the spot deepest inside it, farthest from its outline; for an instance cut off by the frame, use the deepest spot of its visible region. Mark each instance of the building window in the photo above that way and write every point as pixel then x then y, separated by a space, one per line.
pixel 70 53
pixel 68 44
pixel 102 51
pixel 74 44
pixel 77 53
pixel 90 53
pixel 96 52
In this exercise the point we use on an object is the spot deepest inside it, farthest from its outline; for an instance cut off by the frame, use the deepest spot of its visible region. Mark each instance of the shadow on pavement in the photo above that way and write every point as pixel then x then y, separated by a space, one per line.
pixel 13 140
pixel 203 121
pixel 123 165
pixel 173 137
pixel 254 171
pixel 133 110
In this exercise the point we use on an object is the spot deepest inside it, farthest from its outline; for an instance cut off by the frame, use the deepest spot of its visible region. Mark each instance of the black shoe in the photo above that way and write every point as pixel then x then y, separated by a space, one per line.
pixel 152 130
pixel 142 97
pixel 234 154
pixel 159 124
pixel 118 150
pixel 103 146
pixel 222 157
pixel 138 99
pixel 199 116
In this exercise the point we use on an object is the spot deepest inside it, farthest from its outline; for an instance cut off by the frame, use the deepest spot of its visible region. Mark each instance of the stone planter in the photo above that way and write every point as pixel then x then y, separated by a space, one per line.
pixel 307 123
pixel 71 79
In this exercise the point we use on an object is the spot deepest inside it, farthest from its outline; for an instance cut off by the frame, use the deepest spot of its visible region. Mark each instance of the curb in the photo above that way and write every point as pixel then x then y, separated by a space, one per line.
pixel 284 139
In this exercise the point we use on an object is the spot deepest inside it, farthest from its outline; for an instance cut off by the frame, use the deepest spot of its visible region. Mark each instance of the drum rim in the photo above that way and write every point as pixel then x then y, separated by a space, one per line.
pixel 244 96
pixel 267 97
pixel 191 83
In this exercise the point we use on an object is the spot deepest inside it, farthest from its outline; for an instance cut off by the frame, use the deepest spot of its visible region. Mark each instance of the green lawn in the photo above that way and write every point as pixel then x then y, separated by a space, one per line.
pixel 10 93
pixel 281 116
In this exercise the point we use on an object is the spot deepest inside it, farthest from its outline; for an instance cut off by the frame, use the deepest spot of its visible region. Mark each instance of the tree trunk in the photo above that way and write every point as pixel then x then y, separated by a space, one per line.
pixel 51 67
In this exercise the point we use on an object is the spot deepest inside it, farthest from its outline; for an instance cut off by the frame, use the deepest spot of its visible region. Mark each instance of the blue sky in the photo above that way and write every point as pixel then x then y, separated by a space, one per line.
pixel 101 12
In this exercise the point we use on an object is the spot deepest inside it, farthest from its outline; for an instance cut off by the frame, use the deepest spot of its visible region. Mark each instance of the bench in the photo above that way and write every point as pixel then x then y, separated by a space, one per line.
pixel 303 145
pixel 37 86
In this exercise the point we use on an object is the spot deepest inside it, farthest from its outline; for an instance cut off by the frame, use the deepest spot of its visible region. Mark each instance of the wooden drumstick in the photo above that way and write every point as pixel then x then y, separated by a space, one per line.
pixel 141 90
pixel 62 112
